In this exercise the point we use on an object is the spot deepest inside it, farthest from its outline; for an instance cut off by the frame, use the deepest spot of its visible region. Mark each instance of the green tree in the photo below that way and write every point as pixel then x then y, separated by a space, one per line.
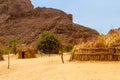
pixel 68 48
pixel 13 44
pixel 48 43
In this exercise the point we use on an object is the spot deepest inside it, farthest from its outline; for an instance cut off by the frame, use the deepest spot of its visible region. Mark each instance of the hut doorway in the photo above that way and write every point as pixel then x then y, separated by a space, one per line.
pixel 23 54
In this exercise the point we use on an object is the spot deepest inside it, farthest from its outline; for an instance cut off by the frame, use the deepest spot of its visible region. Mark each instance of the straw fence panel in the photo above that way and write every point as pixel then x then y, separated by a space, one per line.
pixel 96 54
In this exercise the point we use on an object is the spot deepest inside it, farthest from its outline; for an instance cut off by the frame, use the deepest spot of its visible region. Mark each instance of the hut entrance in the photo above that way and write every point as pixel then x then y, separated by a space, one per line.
pixel 23 54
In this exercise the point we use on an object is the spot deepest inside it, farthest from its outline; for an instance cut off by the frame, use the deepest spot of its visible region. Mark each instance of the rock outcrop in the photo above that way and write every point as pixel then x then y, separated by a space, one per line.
pixel 114 31
pixel 13 8
pixel 19 19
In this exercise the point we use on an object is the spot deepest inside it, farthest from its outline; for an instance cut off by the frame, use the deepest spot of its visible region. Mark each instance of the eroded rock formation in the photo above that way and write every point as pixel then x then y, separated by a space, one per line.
pixel 19 19
pixel 114 31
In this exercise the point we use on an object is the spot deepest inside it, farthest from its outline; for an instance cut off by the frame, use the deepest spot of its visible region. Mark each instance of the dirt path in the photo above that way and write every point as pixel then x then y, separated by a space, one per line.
pixel 51 68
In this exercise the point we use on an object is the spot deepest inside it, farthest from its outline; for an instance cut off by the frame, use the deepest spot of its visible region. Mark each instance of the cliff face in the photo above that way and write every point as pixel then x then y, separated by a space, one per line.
pixel 10 8
pixel 19 19
pixel 16 7
pixel 114 31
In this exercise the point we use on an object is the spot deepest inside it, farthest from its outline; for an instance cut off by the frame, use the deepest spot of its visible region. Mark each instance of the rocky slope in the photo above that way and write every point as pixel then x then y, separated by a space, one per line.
pixel 19 19
pixel 12 8
pixel 114 31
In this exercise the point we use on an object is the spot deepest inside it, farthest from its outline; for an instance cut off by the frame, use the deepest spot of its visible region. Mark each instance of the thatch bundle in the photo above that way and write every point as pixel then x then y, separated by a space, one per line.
pixel 26 52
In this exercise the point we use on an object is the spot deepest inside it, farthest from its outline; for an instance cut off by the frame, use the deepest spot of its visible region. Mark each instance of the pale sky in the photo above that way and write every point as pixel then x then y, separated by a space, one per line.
pixel 101 15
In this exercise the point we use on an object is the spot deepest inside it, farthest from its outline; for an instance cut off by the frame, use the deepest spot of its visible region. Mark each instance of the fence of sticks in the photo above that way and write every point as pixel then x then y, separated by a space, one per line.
pixel 96 54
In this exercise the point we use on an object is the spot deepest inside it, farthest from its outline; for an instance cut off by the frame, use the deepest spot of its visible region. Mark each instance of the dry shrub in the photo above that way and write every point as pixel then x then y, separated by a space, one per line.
pixel 112 39
pixel 107 41
pixel 103 41
pixel 100 42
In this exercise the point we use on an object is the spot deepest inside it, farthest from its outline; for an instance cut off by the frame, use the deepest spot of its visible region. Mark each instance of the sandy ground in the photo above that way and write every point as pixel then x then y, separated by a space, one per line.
pixel 51 68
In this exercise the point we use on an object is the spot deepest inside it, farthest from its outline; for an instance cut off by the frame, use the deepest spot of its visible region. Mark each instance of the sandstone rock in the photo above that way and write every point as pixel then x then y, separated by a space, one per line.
pixel 15 7
pixel 21 20
pixel 114 31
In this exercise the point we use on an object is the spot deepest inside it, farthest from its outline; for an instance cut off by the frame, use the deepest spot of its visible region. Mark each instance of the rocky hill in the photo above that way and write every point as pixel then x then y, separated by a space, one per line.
pixel 114 31
pixel 19 19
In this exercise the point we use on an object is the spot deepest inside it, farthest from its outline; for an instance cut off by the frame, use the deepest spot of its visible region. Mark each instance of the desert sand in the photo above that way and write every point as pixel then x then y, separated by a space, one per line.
pixel 51 68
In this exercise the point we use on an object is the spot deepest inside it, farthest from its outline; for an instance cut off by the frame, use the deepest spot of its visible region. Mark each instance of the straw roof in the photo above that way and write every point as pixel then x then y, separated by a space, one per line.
pixel 24 47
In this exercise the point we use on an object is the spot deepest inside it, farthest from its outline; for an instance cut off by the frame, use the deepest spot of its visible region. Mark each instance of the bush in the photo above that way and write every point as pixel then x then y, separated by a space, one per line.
pixel 68 48
pixel 48 43
pixel 13 44
pixel 5 50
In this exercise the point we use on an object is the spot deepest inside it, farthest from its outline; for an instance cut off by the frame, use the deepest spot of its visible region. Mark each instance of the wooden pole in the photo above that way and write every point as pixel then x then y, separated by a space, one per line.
pixel 62 57
pixel 8 60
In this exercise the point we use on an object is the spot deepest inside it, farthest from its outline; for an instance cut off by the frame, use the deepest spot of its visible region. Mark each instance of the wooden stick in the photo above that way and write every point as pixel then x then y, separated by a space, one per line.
pixel 8 61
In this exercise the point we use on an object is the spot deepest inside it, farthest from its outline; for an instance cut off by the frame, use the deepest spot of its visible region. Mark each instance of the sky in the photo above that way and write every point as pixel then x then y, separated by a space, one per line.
pixel 101 15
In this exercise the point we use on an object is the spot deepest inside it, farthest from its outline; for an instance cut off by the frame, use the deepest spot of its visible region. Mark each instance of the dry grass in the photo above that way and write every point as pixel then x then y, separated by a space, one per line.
pixel 51 68
pixel 103 41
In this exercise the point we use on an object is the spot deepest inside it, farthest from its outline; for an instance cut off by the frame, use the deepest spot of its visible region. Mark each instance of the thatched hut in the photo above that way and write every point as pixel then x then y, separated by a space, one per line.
pixel 1 56
pixel 26 52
